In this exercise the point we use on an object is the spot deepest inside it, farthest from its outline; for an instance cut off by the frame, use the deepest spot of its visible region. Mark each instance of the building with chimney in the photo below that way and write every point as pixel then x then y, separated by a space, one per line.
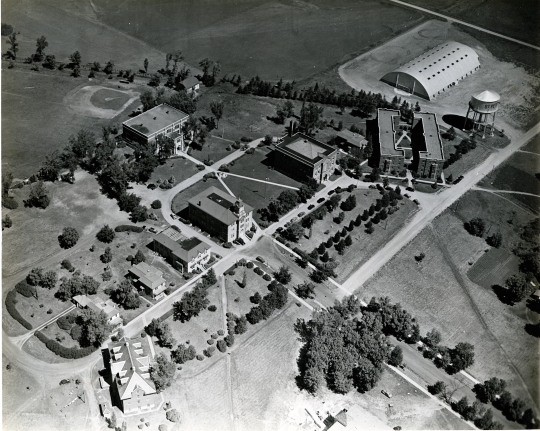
pixel 301 157
pixel 129 361
pixel 220 214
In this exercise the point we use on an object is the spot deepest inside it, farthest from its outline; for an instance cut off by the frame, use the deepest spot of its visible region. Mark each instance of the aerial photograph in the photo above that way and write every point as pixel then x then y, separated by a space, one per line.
pixel 270 215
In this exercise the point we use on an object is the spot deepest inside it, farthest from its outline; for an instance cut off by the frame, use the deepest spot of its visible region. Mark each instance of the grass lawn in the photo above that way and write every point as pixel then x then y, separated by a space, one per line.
pixel 439 294
pixel 180 201
pixel 238 297
pixel 364 244
pixel 533 145
pixel 181 169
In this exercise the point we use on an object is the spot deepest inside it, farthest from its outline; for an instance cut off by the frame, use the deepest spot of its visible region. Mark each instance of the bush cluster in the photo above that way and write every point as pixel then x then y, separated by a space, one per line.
pixel 276 299
pixel 12 310
pixel 128 228
pixel 64 352
pixel 25 289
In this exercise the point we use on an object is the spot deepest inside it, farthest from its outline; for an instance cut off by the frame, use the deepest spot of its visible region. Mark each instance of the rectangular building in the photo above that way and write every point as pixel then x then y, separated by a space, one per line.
pixel 183 253
pixel 190 84
pixel 387 155
pixel 428 156
pixel 162 120
pixel 221 214
pixel 301 157
pixel 97 305
pixel 129 363
pixel 148 279
pixel 349 140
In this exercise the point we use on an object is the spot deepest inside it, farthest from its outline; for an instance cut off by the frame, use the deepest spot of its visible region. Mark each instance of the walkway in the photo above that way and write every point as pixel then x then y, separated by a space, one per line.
pixel 505 191
pixel 224 174
pixel 451 19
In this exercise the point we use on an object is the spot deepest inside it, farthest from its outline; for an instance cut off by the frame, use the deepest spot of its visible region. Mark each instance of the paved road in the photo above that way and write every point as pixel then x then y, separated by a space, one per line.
pixel 449 18
pixel 431 205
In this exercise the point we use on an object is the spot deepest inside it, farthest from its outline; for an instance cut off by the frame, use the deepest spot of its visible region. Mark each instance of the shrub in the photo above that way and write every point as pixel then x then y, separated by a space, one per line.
pixel 9 203
pixel 66 264
pixel 173 415
pixel 25 289
pixel 210 341
pixel 105 234
pixel 64 352
pixel 200 357
pixel 64 323
pixel 12 310
pixel 267 277
pixel 214 336
pixel 250 265
pixel 128 228
pixel 156 204
pixel 222 346
pixel 475 226
pixel 221 332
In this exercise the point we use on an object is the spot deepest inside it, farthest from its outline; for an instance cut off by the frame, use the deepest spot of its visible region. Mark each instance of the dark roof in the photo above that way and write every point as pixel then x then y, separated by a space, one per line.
pixel 155 119
pixel 185 248
pixel 190 243
pixel 190 82
pixel 218 204
pixel 352 138
pixel 304 148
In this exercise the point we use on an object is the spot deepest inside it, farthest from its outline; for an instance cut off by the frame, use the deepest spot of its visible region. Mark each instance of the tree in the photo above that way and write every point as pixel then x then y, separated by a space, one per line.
pixel 490 389
pixel 34 276
pixel 162 332
pixel 432 338
pixel 396 356
pixel 217 109
pixel 183 101
pixel 183 354
pixel 126 296
pixel 162 372
pixel 95 327
pixel 38 196
pixel 109 67
pixel 6 222
pixel 309 117
pixel 173 415
pixel 106 257
pixel 340 247
pixel 210 277
pixel 283 275
pixel 518 287
pixel 191 304
pixel 495 240
pixel 348 241
pixel 105 234
pixel 437 388
pixel 68 238
pixel 241 325
pixel 462 356
pixel 7 29
pixel 146 65
pixel 166 147
pixel 139 257
pixel 475 226
pixel 294 232
pixel 375 174
pixel 75 59
pixel 14 45
pixel 154 80
pixel 305 290
pixel 49 280
pixel 41 44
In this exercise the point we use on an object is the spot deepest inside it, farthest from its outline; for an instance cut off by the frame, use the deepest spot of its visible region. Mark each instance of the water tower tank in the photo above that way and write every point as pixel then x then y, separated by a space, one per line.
pixel 487 102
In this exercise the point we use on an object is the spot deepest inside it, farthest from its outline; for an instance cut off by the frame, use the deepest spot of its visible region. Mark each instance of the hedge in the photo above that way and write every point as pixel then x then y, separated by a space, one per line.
pixel 64 352
pixel 167 315
pixel 128 228
pixel 12 310
pixel 25 289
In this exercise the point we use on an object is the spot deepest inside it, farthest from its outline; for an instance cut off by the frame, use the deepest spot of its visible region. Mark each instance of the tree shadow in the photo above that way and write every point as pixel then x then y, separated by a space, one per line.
pixel 533 305
pixel 533 329
pixel 502 294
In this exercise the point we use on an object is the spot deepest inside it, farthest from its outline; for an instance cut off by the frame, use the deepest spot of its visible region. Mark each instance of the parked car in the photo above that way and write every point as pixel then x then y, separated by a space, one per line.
pixel 173 216
pixel 409 189
pixel 458 179
pixel 416 202
pixel 260 259
pixel 151 186
pixel 330 192
pixel 388 394
pixel 241 241
pixel 326 232
pixel 152 230
pixel 279 229
pixel 302 214
pixel 320 200
pixel 407 195
pixel 311 207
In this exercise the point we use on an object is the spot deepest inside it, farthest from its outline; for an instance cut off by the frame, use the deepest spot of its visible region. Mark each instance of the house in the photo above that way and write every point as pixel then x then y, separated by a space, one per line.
pixel 183 253
pixel 349 140
pixel 148 278
pixel 221 214
pixel 129 363
pixel 427 147
pixel 162 120
pixel 387 155
pixel 108 307
pixel 190 84
pixel 300 156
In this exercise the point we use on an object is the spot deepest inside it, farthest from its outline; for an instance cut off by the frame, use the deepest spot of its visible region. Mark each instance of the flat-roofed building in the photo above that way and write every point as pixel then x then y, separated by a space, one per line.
pixel 221 214
pixel 387 155
pixel 129 364
pixel 162 120
pixel 301 157
pixel 426 143
pixel 148 278
pixel 183 253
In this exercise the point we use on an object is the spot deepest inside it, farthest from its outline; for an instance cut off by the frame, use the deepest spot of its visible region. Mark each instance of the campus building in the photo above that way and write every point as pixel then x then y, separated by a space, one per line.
pixel 426 143
pixel 129 363
pixel 221 214
pixel 148 278
pixel 350 141
pixel 162 120
pixel 98 306
pixel 183 253
pixel 387 154
pixel 435 70
pixel 301 157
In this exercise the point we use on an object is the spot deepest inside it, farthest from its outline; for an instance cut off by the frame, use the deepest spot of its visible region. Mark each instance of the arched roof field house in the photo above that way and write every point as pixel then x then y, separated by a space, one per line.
pixel 435 70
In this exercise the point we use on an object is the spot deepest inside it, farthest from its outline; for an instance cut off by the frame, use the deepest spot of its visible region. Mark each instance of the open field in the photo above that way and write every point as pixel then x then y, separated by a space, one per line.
pixel 533 146
pixel 247 37
pixel 181 169
pixel 180 201
pixel 255 283
pixel 439 294
pixel 512 82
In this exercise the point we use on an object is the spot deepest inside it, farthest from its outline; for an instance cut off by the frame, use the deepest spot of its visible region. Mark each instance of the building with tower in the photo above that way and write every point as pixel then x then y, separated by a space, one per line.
pixel 221 214
pixel 482 107
pixel 434 71
pixel 301 157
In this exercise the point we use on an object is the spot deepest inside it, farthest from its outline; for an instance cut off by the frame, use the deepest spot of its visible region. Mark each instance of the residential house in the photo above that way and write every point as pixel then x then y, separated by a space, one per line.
pixel 98 305
pixel 190 84
pixel 350 141
pixel 148 278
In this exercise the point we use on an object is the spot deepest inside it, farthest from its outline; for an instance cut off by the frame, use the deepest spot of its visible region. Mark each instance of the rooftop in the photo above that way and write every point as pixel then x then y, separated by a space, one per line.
pixel 388 122
pixel 181 246
pixel 431 148
pixel 305 148
pixel 218 204
pixel 147 275
pixel 190 82
pixel 352 138
pixel 155 119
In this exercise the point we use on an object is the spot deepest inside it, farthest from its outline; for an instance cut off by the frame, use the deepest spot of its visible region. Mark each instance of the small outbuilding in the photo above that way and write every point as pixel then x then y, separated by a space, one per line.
pixel 190 84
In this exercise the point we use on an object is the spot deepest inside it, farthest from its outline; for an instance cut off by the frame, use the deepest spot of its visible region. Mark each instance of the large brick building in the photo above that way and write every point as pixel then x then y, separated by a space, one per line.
pixel 183 253
pixel 302 157
pixel 162 120
pixel 129 364
pixel 428 156
pixel 221 214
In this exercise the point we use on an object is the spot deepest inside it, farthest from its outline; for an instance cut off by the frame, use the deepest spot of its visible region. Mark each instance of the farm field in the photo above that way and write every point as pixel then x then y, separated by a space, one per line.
pixel 180 201
pixel 439 294
pixel 246 37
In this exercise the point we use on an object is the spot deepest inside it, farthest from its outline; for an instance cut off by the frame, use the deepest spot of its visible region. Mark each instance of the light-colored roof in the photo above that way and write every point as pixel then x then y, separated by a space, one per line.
pixel 147 275
pixel 218 204
pixel 155 119
pixel 441 66
pixel 488 96
pixel 432 147
pixel 352 138
pixel 387 121
pixel 305 148
pixel 106 307
pixel 82 300
pixel 190 82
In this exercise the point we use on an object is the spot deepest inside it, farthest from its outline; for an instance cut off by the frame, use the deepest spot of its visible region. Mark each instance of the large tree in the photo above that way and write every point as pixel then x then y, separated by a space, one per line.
pixel 95 327
pixel 41 44
pixel 69 237
pixel 126 296
pixel 162 372
pixel 518 287
pixel 13 45
pixel 39 196
pixel 75 59
pixel 217 109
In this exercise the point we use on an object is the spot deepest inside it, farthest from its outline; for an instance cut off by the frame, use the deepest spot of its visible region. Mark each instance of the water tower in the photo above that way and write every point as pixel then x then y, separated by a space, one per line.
pixel 484 107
